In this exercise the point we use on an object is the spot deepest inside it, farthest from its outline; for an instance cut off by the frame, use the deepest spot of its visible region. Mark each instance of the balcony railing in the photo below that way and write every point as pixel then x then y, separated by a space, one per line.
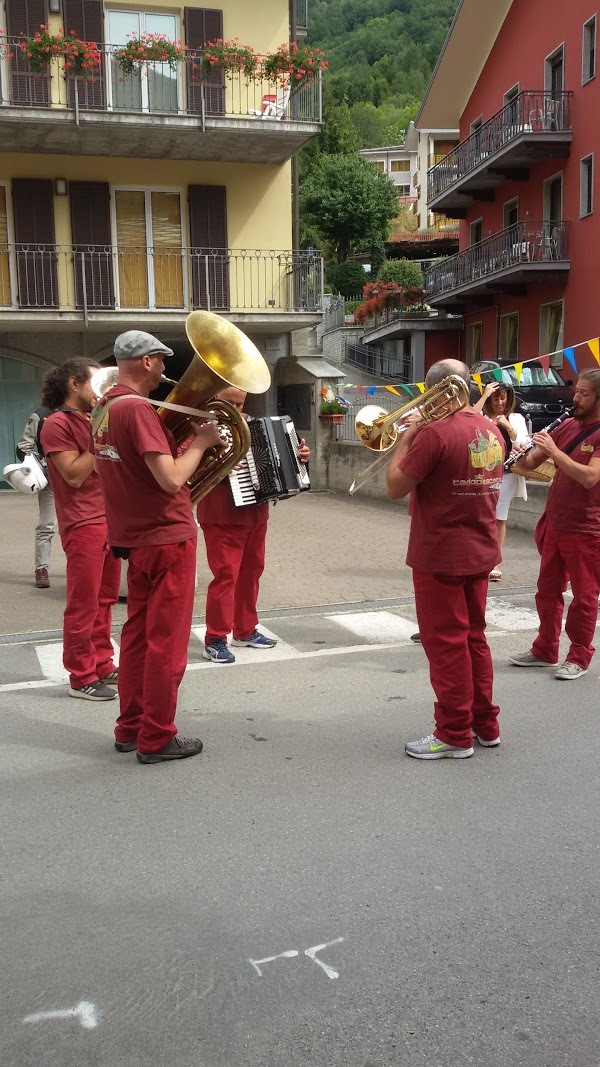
pixel 374 360
pixel 535 114
pixel 519 246
pixel 88 280
pixel 155 89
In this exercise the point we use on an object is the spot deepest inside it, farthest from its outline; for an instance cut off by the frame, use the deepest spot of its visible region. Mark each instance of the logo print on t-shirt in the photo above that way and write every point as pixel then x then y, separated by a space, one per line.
pixel 485 452
pixel 104 450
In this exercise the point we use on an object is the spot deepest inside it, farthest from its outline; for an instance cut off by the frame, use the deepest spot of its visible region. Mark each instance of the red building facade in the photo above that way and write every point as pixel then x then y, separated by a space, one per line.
pixel 526 97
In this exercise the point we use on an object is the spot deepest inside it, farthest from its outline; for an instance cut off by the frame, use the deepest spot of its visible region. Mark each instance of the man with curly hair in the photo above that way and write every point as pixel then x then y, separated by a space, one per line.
pixel 93 573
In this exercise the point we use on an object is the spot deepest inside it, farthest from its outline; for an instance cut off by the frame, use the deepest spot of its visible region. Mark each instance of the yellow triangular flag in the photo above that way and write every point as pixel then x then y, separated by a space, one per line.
pixel 518 371
pixel 421 387
pixel 594 347
pixel 477 378
pixel 390 389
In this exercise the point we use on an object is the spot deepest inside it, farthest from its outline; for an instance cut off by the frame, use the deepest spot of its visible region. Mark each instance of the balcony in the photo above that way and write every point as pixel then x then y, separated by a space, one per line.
pixel 154 113
pixel 533 126
pixel 395 323
pixel 508 261
pixel 51 286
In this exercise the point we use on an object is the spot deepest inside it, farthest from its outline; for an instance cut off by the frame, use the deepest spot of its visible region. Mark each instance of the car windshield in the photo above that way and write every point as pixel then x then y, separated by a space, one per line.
pixel 531 374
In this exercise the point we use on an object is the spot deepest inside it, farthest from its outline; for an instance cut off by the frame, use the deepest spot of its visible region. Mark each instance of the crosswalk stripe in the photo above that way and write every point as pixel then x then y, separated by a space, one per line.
pixel 51 661
pixel 379 627
pixel 252 655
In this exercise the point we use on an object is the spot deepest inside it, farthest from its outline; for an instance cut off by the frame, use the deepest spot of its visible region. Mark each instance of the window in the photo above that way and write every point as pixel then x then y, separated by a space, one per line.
pixel 403 190
pixel 511 103
pixel 553 199
pixel 509 337
pixel 474 338
pixel 554 81
pixel 588 65
pixel 586 186
pixel 155 86
pixel 379 165
pixel 400 165
pixel 551 331
pixel 148 239
pixel 476 231
pixel 511 213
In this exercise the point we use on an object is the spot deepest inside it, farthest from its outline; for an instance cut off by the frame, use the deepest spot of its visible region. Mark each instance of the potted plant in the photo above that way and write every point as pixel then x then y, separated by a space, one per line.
pixel 81 58
pixel 333 411
pixel 294 64
pixel 148 48
pixel 229 56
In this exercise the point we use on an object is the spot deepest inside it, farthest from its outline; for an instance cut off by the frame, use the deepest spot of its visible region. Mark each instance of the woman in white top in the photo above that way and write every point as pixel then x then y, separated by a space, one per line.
pixel 498 403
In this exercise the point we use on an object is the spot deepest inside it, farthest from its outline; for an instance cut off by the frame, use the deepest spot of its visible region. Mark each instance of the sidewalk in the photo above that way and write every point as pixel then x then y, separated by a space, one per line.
pixel 322 549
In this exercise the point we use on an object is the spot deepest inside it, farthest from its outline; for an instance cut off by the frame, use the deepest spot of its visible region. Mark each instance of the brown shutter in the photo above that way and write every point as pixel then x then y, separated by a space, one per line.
pixel 86 18
pixel 33 213
pixel 208 234
pixel 92 252
pixel 23 18
pixel 203 24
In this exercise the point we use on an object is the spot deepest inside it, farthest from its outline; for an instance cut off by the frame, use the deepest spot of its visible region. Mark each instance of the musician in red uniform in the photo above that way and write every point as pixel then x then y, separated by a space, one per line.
pixel 150 522
pixel 235 548
pixel 571 543
pixel 455 469
pixel 93 573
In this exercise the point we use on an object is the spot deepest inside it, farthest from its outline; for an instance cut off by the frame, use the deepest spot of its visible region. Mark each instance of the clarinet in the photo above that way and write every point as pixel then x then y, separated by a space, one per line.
pixel 508 463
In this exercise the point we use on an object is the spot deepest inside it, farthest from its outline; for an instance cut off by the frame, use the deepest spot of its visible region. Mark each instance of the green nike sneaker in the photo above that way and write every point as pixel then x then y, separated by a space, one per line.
pixel 432 748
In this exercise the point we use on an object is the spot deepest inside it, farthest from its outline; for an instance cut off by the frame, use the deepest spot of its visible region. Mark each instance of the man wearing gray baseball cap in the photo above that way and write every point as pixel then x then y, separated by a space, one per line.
pixel 150 523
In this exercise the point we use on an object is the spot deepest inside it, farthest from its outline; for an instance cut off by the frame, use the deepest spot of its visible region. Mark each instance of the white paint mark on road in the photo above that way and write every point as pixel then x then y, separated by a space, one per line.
pixel 377 626
pixel 507 616
pixel 312 954
pixel 50 660
pixel 269 959
pixel 84 1011
pixel 253 655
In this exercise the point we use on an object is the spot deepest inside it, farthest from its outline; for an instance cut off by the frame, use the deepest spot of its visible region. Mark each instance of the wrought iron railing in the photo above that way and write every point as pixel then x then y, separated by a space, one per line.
pixel 153 88
pixel 88 279
pixel 532 113
pixel 376 361
pixel 524 243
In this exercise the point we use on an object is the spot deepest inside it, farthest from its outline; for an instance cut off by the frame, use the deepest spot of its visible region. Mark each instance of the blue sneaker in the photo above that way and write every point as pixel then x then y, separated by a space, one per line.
pixel 255 640
pixel 218 652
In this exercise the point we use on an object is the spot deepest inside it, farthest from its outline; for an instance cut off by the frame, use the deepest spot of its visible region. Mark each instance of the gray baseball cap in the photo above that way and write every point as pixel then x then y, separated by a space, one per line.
pixel 133 344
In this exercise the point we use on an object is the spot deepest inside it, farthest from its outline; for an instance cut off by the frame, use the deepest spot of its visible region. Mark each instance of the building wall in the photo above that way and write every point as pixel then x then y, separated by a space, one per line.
pixel 532 31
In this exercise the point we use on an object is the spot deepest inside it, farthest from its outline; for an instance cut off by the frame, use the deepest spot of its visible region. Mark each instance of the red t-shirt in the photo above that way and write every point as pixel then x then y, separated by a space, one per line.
pixel 457 464
pixel 138 511
pixel 571 508
pixel 69 431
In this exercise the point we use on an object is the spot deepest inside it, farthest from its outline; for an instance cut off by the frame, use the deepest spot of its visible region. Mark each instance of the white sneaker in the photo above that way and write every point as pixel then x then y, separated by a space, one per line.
pixel 527 659
pixel 431 747
pixel 569 671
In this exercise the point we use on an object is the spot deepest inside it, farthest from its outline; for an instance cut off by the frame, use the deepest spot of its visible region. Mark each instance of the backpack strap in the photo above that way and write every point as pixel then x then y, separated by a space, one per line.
pixel 587 433
pixel 99 412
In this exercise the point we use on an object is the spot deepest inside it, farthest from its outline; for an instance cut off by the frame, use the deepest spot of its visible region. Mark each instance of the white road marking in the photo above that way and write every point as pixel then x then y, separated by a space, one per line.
pixel 84 1011
pixel 312 954
pixel 376 626
pixel 269 959
pixel 51 662
pixel 505 616
pixel 252 655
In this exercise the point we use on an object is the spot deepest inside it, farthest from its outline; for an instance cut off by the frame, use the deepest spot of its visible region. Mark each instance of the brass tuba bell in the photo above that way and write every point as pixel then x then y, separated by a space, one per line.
pixel 223 356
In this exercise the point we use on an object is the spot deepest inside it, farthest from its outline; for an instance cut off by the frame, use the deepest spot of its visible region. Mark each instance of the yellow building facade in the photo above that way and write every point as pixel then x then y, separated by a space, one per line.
pixel 132 197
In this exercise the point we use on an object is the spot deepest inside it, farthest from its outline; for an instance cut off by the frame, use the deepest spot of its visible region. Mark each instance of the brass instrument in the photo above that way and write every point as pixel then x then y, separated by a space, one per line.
pixel 104 378
pixel 223 356
pixel 379 429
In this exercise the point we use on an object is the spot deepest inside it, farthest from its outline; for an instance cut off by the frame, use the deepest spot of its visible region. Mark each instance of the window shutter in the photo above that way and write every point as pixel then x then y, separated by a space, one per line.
pixel 208 235
pixel 23 18
pixel 86 18
pixel 92 252
pixel 33 213
pixel 203 24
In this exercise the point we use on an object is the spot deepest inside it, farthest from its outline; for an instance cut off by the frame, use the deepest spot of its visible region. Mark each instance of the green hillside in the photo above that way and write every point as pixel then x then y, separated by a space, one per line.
pixel 381 54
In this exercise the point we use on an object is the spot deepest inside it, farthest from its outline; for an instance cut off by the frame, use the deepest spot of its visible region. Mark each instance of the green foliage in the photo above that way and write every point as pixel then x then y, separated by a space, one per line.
pixel 348 278
pixel 333 407
pixel 348 203
pixel 402 271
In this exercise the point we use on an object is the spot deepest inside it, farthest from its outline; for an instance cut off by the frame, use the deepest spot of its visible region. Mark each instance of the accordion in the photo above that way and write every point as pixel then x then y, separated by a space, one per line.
pixel 270 469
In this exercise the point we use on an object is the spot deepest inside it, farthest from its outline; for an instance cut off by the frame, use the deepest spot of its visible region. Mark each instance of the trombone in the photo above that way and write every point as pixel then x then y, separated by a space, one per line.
pixel 379 429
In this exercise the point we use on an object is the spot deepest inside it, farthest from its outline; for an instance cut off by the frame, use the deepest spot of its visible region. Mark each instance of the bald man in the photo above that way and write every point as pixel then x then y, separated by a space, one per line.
pixel 454 469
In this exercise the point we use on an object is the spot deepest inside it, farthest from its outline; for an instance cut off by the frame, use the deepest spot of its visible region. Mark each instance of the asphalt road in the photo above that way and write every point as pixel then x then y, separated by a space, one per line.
pixel 457 900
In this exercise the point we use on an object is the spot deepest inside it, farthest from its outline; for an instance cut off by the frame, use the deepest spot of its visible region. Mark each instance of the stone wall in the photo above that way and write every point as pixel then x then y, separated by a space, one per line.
pixel 340 462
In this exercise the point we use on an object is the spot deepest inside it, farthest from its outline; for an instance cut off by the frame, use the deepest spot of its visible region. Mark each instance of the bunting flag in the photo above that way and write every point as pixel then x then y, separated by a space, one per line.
pixel 421 387
pixel 390 389
pixel 477 378
pixel 594 347
pixel 324 390
pixel 570 354
pixel 497 373
pixel 518 371
pixel 545 364
pixel 371 390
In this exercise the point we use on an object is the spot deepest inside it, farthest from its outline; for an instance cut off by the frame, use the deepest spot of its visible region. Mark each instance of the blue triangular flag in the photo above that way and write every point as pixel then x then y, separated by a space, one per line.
pixel 371 390
pixel 570 354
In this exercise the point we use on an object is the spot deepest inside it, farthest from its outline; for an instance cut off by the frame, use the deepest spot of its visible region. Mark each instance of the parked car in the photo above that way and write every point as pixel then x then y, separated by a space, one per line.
pixel 541 397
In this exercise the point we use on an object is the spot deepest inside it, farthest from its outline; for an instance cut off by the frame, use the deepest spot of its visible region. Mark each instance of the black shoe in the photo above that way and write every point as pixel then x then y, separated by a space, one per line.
pixel 93 691
pixel 416 638
pixel 177 748
pixel 126 746
pixel 42 580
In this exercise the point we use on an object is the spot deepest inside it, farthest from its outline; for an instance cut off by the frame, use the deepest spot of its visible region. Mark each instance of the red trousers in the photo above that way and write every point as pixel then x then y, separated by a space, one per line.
pixel 154 642
pixel 574 557
pixel 451 615
pixel 236 557
pixel 93 576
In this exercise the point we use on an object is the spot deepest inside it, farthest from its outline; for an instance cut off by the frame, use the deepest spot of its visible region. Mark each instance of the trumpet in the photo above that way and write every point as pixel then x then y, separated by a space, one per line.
pixel 378 429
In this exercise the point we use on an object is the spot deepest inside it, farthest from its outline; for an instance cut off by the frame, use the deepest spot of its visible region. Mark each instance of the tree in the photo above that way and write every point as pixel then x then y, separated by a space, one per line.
pixel 348 203
pixel 348 278
pixel 402 271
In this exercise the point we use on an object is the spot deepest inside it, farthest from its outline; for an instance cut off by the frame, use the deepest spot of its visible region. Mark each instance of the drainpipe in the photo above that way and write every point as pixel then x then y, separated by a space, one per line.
pixel 295 173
